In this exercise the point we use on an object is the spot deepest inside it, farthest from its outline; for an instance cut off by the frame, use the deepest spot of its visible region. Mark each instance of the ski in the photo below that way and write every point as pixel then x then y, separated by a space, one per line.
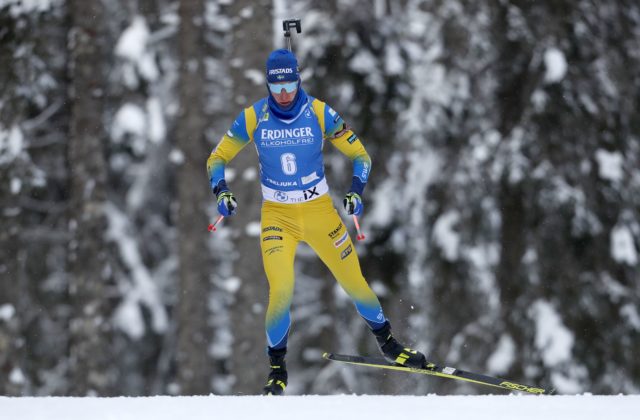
pixel 442 372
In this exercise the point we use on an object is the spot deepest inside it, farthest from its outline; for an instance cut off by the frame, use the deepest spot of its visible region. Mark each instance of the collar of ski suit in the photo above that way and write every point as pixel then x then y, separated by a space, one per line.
pixel 293 111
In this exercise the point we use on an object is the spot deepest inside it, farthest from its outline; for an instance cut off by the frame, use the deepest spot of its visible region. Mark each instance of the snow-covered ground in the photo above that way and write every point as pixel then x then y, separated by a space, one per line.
pixel 512 407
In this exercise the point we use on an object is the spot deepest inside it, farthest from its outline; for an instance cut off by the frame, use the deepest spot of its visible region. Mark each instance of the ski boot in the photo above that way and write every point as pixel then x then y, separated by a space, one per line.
pixel 277 381
pixel 395 352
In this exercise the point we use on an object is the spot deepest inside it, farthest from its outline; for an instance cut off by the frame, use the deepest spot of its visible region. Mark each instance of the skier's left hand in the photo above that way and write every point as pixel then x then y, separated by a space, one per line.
pixel 353 203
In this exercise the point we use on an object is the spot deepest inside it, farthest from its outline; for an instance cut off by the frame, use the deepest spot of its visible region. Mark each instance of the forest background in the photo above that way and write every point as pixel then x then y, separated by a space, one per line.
pixel 502 214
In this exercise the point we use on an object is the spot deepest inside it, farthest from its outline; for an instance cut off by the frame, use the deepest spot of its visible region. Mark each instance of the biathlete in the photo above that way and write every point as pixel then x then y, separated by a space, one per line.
pixel 289 129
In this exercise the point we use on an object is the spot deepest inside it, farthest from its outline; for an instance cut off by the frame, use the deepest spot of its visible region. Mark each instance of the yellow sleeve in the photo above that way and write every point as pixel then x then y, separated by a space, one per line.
pixel 224 152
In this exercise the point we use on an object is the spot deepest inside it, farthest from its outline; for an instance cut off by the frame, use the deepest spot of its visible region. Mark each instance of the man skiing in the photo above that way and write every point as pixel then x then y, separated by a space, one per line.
pixel 289 128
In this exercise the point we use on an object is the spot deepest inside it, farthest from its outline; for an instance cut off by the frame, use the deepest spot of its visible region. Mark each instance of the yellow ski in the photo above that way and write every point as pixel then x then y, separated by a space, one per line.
pixel 442 372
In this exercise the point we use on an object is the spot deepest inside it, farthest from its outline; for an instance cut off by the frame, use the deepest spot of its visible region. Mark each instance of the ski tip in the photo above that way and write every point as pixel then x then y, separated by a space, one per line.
pixel 325 355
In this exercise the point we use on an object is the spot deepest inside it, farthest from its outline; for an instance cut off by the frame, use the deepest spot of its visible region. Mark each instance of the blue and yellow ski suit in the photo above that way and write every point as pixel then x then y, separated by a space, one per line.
pixel 296 204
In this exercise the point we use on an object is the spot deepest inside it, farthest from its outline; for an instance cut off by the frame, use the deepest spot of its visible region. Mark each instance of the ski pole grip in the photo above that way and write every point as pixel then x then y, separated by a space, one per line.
pixel 287 25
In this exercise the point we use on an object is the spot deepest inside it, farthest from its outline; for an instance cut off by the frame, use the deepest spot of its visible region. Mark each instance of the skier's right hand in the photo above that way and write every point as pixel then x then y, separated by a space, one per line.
pixel 227 203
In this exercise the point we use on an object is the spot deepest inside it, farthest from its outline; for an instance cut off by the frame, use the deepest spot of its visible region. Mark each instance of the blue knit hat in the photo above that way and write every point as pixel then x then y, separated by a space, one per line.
pixel 282 66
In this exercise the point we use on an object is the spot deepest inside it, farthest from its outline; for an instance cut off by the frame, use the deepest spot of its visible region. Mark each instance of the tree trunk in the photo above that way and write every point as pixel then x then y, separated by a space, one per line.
pixel 89 269
pixel 195 366
pixel 13 293
pixel 251 42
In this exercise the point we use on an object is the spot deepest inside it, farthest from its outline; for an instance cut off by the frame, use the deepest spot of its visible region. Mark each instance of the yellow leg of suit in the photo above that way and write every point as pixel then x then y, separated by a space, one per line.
pixel 317 223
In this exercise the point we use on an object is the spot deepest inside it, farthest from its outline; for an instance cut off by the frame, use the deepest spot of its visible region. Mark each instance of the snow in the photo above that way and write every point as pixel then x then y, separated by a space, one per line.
pixel 337 407
pixel 393 64
pixel 128 318
pixel 623 250
pixel 555 64
pixel 142 289
pixel 445 236
pixel 22 7
pixel 176 157
pixel 246 12
pixel 16 185
pixel 503 357
pixel 253 228
pixel 539 100
pixel 132 46
pixel 230 174
pixel 630 313
pixel 16 376
pixel 255 76
pixel 132 42
pixel 250 174
pixel 147 67
pixel 610 165
pixel 613 288
pixel 11 143
pixel 280 12
pixel 130 119
pixel 363 62
pixel 380 289
pixel 484 145
pixel 142 126
pixel 231 285
pixel 156 125
pixel 553 339
pixel 484 259
pixel 569 382
pixel 7 311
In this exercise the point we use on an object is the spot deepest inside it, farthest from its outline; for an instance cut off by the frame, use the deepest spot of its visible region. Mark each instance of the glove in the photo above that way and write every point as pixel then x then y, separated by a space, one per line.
pixel 353 204
pixel 227 203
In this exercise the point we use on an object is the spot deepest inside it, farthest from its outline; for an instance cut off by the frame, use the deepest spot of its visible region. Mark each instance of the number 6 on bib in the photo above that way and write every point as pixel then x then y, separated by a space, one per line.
pixel 288 161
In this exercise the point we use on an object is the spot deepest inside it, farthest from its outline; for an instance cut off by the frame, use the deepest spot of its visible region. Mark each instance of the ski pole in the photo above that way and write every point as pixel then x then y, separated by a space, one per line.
pixel 360 235
pixel 212 226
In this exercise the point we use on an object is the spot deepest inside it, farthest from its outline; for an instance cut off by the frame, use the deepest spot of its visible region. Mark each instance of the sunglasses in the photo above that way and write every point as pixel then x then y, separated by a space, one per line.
pixel 288 87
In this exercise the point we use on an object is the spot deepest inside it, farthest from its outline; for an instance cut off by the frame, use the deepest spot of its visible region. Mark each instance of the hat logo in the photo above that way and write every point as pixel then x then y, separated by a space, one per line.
pixel 280 71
